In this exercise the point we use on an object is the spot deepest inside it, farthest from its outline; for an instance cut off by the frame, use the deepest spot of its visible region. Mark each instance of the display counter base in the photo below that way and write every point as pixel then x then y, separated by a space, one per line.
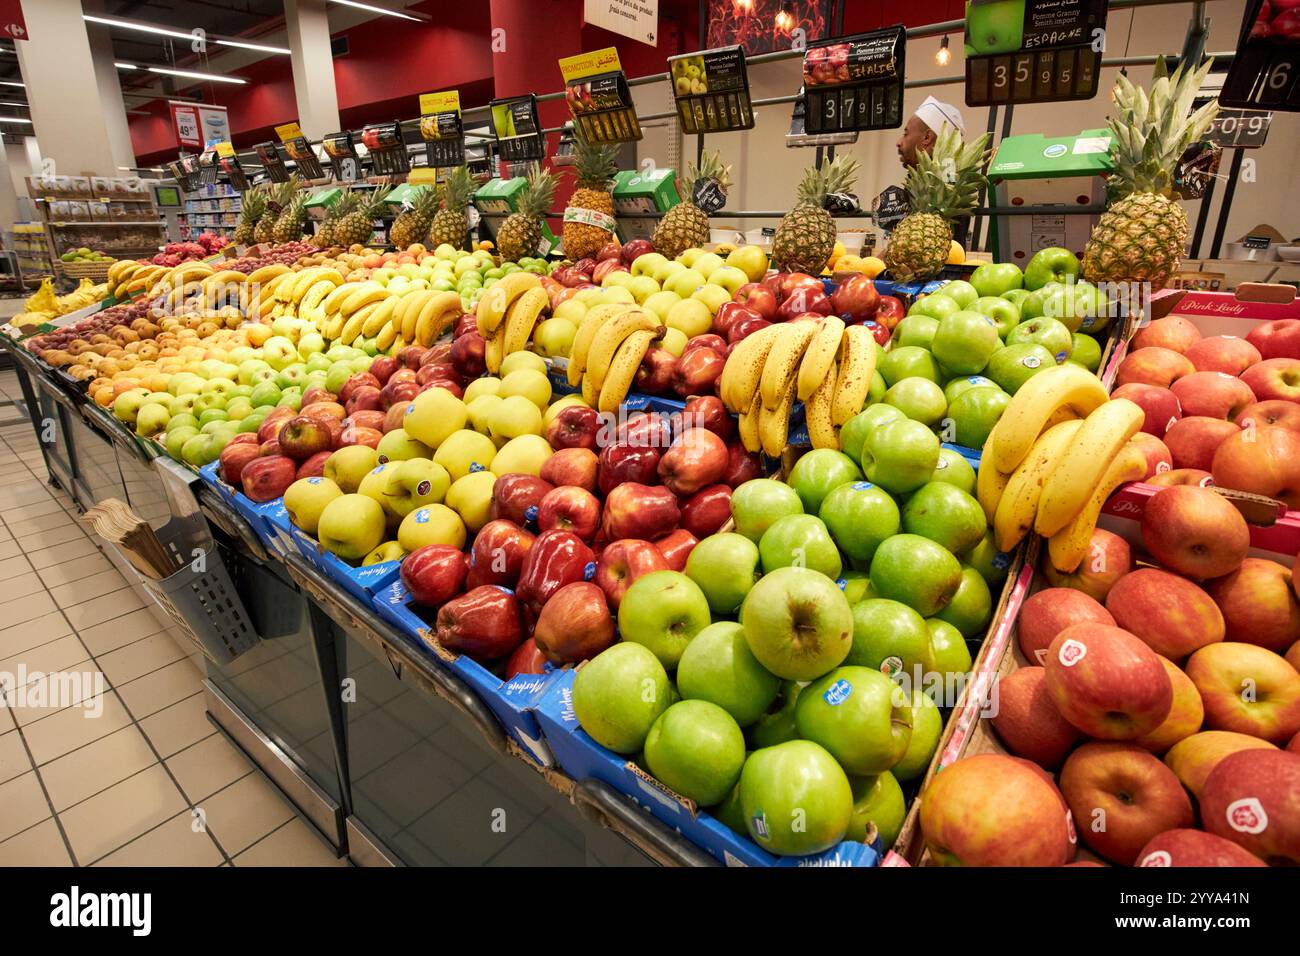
pixel 366 849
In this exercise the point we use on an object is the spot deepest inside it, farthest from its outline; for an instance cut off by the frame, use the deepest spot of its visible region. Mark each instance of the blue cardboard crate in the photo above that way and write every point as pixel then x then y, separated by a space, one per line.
pixel 361 582
pixel 512 701
pixel 258 515
pixel 582 758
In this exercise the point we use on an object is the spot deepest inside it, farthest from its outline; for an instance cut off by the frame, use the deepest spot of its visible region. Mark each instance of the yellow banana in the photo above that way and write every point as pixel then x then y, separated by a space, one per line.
pixel 333 326
pixel 494 350
pixel 311 277
pixel 335 299
pixel 622 370
pixel 744 369
pixel 408 311
pixel 1068 547
pixel 1024 488
pixel 380 317
pixel 990 484
pixel 749 436
pixel 522 316
pixel 857 365
pixel 266 273
pixel 368 294
pixel 224 277
pixel 774 423
pixel 820 356
pixel 782 363
pixel 588 326
pixel 386 337
pixel 309 306
pixel 817 410
pixel 356 322
pixel 433 318
pixel 1035 402
pixel 610 336
pixel 1101 437
pixel 492 306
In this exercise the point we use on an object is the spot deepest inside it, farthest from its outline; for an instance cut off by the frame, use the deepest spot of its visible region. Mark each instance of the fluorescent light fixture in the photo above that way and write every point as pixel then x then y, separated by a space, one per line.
pixel 384 10
pixel 14 119
pixel 197 76
pixel 12 83
pixel 126 66
pixel 141 27
pixel 241 44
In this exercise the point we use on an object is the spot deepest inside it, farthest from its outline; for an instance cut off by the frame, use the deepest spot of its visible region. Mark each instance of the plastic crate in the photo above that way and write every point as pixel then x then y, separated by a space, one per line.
pixel 258 515
pixel 362 582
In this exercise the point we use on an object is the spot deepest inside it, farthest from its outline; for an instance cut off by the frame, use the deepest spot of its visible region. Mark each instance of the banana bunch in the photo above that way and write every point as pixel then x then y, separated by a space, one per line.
pixel 367 310
pixel 507 313
pixel 820 362
pixel 1054 457
pixel 607 350
pixel 130 277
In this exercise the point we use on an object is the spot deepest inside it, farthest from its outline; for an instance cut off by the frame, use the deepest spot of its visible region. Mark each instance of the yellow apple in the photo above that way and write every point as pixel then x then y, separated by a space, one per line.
pixel 519 360
pixel 553 338
pixel 589 297
pixel 646 264
pixel 414 483
pixel 691 316
pixel 666 270
pixel 530 383
pixel 463 450
pixel 351 526
pixel 674 341
pixel 375 483
pixel 729 277
pixel 712 296
pixel 398 445
pixel 435 524
pixel 480 411
pixel 617 278
pixel 349 466
pixel 687 257
pixel 487 385
pixel 434 415
pixel 570 309
pixel 523 455
pixel 306 498
pixel 660 303
pixel 685 282
pixel 642 287
pixel 388 551
pixel 706 262
pixel 512 417
pixel 617 295
pixel 471 498
pixel 751 260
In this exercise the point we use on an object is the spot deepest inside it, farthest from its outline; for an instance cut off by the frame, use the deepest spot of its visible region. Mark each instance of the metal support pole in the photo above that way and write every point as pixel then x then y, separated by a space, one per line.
pixel 1233 175
pixel 1202 217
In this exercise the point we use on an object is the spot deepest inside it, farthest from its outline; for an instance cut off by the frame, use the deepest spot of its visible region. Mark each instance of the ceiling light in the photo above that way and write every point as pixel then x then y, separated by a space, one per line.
pixel 198 76
pixel 14 119
pixel 12 83
pixel 126 66
pixel 385 11
pixel 141 27
pixel 253 46
pixel 943 55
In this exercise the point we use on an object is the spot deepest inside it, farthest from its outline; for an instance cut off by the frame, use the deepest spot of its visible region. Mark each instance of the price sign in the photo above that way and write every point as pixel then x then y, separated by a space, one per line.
pixel 208 168
pixel 268 154
pixel 387 148
pixel 1265 72
pixel 1032 51
pixel 517 129
pixel 441 128
pixel 300 151
pixel 712 90
pixel 1240 129
pixel 342 154
pixel 891 207
pixel 596 90
pixel 856 83
pixel 228 161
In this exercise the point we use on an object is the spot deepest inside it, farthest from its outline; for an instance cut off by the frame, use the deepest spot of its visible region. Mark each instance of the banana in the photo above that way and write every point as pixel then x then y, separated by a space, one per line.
pixel 588 326
pixel 224 277
pixel 817 409
pixel 408 310
pixel 1022 495
pixel 494 350
pixel 309 306
pixel 622 370
pixel 356 322
pixel 432 320
pixel 180 294
pixel 335 298
pixel 368 293
pixel 491 309
pixel 386 337
pixel 1068 547
pixel 333 327
pixel 749 422
pixel 744 369
pixel 1035 402
pixel 522 316
pixel 266 273
pixel 379 318
pixel 857 366
pixel 782 363
pixel 117 268
pixel 990 484
pixel 819 357
pixel 608 338
pixel 1101 437
pixel 310 277
pixel 1063 414
pixel 774 423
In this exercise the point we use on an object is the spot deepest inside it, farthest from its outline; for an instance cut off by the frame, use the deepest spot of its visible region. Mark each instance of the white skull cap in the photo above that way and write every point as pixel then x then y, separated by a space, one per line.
pixel 935 114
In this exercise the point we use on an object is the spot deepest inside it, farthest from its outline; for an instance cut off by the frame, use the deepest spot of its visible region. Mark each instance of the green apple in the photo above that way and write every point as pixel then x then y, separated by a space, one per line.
pixel 856 586
pixel 960 291
pixel 176 439
pixel 958 385
pixel 917 572
pixel 995 27
pixel 948 652
pixel 187 382
pixel 290 375
pixel 619 695
pixel 184 419
pixel 919 399
pixel 859 517
pixel 1078 306
pixel 776 725
pixel 397 445
pixel 797 622
pixel 878 807
pixel 988 560
pixel 237 409
pixel 855 431
pixel 697 749
pixel 182 405
pixel 725 566
pixel 719 667
pixel 253 420
pixel 1014 365
pixel 1005 314
pixel 757 503
pixel 889 637
pixel 414 483
pixel 663 610
pixel 936 306
pixel 917 329
pixel 996 278
pixel 305 500
pixel 907 361
pixel 946 515
pixel 1030 304
pixel 954 470
pixel 351 526
pixel 1051 334
pixel 819 472
pixel 200 450
pixel 971 606
pixel 212 415
pixel 461 451
pixel 127 405
pixel 927 727
pixel 318 364
pixel 900 456
pixel 861 717
pixel 799 541
pixel 876 391
pixel 795 798
pixel 1085 351
pixel 1053 264
pixel 964 341
pixel 641 287
pixel 290 398
pixel 337 377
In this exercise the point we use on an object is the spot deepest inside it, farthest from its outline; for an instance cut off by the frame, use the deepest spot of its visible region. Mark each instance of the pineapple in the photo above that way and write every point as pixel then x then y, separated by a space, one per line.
pixel 944 185
pixel 289 224
pixel 324 237
pixel 357 225
pixel 805 237
pixel 249 213
pixel 521 233
pixel 595 167
pixel 277 198
pixel 411 225
pixel 686 225
pixel 1141 236
pixel 449 223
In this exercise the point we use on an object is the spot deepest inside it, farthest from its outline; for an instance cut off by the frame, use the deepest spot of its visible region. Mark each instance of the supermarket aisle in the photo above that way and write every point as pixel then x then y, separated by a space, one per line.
pixel 124 768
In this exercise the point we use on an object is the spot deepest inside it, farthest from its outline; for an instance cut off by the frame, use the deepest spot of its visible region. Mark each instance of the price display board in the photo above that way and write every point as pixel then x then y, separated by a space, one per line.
pixel 387 148
pixel 300 151
pixel 208 168
pixel 517 129
pixel 712 90
pixel 268 154
pixel 596 90
pixel 855 84
pixel 441 128
pixel 1265 72
pixel 891 207
pixel 1033 51
pixel 184 170
pixel 1240 129
pixel 342 154
pixel 229 163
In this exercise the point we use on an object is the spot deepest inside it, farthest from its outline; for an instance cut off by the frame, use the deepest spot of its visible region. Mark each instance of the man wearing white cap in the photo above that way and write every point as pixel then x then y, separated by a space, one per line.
pixel 923 128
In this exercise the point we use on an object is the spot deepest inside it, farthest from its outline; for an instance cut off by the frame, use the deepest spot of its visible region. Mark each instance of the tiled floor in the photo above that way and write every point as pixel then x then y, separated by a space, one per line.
pixel 126 769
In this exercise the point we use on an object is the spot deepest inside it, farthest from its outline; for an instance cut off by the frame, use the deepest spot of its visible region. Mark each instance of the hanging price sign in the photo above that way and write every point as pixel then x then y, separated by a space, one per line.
pixel 342 155
pixel 1265 72
pixel 228 161
pixel 712 90
pixel 387 148
pixel 441 128
pixel 599 98
pixel 517 129
pixel 208 168
pixel 1033 51
pixel 268 154
pixel 856 83
pixel 300 151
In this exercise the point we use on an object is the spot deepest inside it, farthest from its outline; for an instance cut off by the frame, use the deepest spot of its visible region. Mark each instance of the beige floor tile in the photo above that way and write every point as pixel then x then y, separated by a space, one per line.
pixel 55 655
pixel 9 548
pixel 74 570
pixel 24 804
pixel 207 767
pixel 20 524
pixel 6 720
pixel 37 540
pixel 14 761
pixel 24 609
pixel 95 767
pixel 126 627
pixel 164 687
pixel 294 844
pixel 20 586
pixel 47 557
pixel 174 728
pixel 108 820
pixel 76 687
pixel 14 567
pixel 87 589
pixel 244 812
pixel 51 506
pixel 74 727
pixel 139 658
pixel 20 637
pixel 178 842
pixel 41 845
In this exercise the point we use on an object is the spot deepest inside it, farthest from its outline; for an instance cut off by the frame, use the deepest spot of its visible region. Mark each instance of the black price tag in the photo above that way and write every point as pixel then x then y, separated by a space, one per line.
pixel 444 139
pixel 1265 72
pixel 208 168
pixel 856 83
pixel 1032 51
pixel 300 152
pixel 712 90
pixel 268 154
pixel 342 154
pixel 1257 242
pixel 1240 129
pixel 387 148
pixel 891 207
pixel 517 129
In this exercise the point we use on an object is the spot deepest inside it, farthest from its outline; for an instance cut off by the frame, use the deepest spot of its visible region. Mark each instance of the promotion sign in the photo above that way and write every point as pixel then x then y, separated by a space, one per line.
pixel 12 24
pixel 596 90
pixel 1033 51
pixel 855 83
pixel 189 129
pixel 300 151
pixel 441 128
pixel 229 163
pixel 712 90
pixel 214 124
pixel 638 19
pixel 387 148
pixel 1265 72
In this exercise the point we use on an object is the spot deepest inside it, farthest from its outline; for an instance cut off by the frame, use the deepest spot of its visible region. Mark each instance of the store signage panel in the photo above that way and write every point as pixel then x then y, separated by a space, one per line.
pixel 441 128
pixel 1033 51
pixel 300 151
pixel 712 90
pixel 599 98
pixel 1265 72
pixel 387 148
pixel 638 19
pixel 855 84
pixel 517 129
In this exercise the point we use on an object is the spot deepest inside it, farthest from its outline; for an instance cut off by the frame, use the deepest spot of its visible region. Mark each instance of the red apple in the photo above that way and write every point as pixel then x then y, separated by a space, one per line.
pixel 556 558
pixel 382 367
pixel 604 268
pixel 697 457
pixel 359 435
pixel 1106 682
pixel 636 248
pixel 1192 442
pixel 400 393
pixel 1181 476
pixel 370 418
pixel 1027 721
pixel 742 465
pixel 635 510
pixel 654 376
pixel 266 477
pixel 1212 394
pixel 357 381
pixel 1264 460
pixel 571 466
pixel 1274 378
pixel 1277 339
pixel 707 411
pixel 304 436
pixel 696 371
pixel 438 353
pixel 485 623
pixel 1186 713
pixel 645 430
pixel 1185 847
pixel 467 354
pixel 890 311
pixel 855 298
pixel 1275 411
pixel 676 547
pixel 317 394
pixel 233 459
pixel 610 250
pixel 314 467
pixel 622 562
pixel 569 508
pixel 497 556
pixel 1159 458
pixel 394 418
pixel 324 410
pixel 1223 353
pixel 704 512
pixel 1170 614
pixel 1153 366
pixel 272 423
pixel 1049 612
pixel 757 298
pixel 576 426
pixel 744 327
pixel 269 448
pixel 1247 689
pixel 517 497
pixel 365 397
pixel 1259 605
pixel 627 464
pixel 434 574
pixel 1109 558
pixel 708 340
pixel 410 356
pixel 1172 332
pixel 1160 406
pixel 448 384
pixel 729 313
pixel 526 659
pixel 1253 799
pixel 575 624
pixel 1195 532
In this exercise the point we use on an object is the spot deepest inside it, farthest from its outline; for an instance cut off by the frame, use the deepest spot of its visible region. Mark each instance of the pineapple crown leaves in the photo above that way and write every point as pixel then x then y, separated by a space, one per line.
pixel 593 165
pixel 457 189
pixel 947 180
pixel 710 167
pixel 1152 130
pixel 837 176
pixel 538 193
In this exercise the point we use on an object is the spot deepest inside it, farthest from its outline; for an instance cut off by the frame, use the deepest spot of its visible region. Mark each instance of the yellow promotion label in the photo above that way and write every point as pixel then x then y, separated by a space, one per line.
pixel 589 64
pixel 289 131
pixel 225 150
pixel 422 176
pixel 447 101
